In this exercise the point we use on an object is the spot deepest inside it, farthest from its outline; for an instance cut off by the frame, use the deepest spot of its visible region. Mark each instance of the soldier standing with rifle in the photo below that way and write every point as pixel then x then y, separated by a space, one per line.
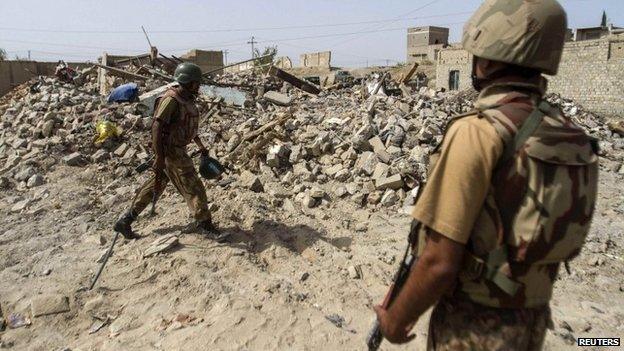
pixel 175 125
pixel 509 197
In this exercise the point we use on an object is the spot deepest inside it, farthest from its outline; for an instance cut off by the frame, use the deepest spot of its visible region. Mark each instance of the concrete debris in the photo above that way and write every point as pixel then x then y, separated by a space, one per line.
pixel 251 182
pixel 161 244
pixel 278 98
pixel 49 304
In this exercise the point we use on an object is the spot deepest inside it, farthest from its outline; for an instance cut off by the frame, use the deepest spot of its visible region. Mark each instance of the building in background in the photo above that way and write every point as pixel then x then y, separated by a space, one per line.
pixel 424 43
pixel 206 60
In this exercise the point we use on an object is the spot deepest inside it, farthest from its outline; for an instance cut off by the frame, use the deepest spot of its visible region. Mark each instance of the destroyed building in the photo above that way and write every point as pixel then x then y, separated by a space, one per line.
pixel 424 43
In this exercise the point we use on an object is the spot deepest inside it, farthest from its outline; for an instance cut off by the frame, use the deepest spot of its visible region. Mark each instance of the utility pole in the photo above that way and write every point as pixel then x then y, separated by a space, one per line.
pixel 225 52
pixel 28 55
pixel 252 42
pixel 387 62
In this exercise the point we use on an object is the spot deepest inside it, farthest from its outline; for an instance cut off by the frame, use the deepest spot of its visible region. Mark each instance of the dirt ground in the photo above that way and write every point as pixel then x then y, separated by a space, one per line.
pixel 275 284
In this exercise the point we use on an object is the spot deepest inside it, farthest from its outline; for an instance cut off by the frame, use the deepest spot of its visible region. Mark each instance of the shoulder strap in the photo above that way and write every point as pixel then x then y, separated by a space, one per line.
pixel 526 130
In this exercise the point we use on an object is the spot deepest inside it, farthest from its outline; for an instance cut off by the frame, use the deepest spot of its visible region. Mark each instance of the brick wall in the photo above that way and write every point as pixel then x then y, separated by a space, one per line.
pixel 14 73
pixel 591 73
pixel 454 60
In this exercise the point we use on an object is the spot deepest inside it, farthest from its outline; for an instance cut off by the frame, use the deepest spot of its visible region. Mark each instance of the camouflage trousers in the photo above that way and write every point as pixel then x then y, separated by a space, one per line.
pixel 463 325
pixel 180 170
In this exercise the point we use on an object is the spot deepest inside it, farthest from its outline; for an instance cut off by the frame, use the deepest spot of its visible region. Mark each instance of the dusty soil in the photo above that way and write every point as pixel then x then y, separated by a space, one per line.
pixel 271 286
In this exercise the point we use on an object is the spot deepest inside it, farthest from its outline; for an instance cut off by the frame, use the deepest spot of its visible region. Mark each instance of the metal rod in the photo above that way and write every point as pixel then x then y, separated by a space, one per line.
pixel 108 253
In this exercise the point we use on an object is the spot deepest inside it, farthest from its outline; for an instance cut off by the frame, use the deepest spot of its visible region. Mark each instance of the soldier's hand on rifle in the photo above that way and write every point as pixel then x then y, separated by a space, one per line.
pixel 392 329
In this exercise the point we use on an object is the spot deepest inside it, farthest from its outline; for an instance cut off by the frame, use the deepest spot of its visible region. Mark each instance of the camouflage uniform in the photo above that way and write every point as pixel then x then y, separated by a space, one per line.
pixel 536 189
pixel 180 120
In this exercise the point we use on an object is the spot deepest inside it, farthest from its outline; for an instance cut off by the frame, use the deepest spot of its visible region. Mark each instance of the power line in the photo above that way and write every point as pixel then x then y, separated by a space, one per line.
pixel 309 26
pixel 395 20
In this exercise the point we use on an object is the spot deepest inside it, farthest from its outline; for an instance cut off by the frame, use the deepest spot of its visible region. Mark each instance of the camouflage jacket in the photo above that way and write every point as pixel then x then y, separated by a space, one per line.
pixel 181 127
pixel 539 205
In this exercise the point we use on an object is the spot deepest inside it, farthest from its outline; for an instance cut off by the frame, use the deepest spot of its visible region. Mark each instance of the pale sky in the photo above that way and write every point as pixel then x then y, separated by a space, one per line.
pixel 358 32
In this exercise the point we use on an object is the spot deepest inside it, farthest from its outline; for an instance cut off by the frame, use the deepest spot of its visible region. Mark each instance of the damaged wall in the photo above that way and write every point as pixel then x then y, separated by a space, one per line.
pixel 14 73
pixel 591 73
pixel 315 59
pixel 206 60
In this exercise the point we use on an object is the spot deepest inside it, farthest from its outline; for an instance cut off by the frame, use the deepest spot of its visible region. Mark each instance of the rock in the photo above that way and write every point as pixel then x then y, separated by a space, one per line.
pixel 389 198
pixel 20 205
pixel 277 98
pixel 381 171
pixel 49 304
pixel 393 182
pixel 309 202
pixel 343 175
pixel 25 174
pixel 331 171
pixel 340 191
pixel 100 156
pixel 304 276
pixel 251 181
pixel 374 198
pixel 379 149
pixel 317 193
pixel 34 181
pixel 354 272
pixel 366 163
pixel 74 159
pixel 47 128
pixel 361 227
pixel 161 244
pixel 121 150
pixel 19 143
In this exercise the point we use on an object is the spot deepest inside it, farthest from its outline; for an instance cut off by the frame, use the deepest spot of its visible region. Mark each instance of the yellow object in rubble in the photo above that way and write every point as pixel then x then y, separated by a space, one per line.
pixel 105 130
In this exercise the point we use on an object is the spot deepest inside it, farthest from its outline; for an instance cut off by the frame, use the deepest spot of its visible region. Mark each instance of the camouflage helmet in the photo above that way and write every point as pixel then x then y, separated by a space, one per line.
pixel 187 72
pixel 520 32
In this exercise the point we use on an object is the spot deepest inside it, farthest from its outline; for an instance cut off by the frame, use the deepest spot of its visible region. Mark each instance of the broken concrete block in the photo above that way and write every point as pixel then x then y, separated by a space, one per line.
pixel 277 98
pixel 34 181
pixel 47 128
pixel 331 171
pixel 380 149
pixel 120 151
pixel 49 304
pixel 317 192
pixel 389 198
pixel 161 244
pixel 100 156
pixel 25 174
pixel 309 202
pixel 343 175
pixel 251 182
pixel 75 159
pixel 381 171
pixel 366 163
pixel 393 182
pixel 353 272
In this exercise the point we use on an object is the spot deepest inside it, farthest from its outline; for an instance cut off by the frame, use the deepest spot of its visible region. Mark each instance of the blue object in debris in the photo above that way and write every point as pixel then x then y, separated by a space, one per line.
pixel 124 93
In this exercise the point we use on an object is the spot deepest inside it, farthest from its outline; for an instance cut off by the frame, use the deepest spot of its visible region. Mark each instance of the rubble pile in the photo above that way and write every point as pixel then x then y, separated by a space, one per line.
pixel 355 143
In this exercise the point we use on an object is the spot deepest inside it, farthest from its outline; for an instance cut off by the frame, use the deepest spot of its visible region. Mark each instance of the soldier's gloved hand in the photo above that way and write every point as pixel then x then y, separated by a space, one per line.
pixel 392 329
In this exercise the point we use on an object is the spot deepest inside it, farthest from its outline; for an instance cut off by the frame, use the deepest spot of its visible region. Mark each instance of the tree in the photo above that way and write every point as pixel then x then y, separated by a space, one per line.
pixel 2 54
pixel 603 23
pixel 264 62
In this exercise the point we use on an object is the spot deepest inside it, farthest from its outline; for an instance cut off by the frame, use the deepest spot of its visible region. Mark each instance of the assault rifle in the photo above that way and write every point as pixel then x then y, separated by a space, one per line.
pixel 374 339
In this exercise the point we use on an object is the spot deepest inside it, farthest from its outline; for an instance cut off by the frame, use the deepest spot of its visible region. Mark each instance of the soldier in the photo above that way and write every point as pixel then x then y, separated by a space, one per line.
pixel 175 125
pixel 509 197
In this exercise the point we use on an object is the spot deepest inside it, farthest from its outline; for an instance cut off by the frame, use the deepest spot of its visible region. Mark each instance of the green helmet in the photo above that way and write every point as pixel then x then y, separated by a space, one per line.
pixel 187 72
pixel 520 32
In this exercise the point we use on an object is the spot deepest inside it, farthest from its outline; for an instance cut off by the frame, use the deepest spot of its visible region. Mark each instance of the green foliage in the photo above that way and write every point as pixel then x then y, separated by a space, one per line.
pixel 2 54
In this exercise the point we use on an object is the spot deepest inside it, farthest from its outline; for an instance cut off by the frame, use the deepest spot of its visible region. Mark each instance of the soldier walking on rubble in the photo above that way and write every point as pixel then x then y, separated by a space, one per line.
pixel 509 198
pixel 175 125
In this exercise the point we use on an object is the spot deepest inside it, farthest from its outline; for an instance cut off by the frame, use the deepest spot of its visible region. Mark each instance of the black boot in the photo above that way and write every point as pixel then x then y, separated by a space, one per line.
pixel 124 226
pixel 206 228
